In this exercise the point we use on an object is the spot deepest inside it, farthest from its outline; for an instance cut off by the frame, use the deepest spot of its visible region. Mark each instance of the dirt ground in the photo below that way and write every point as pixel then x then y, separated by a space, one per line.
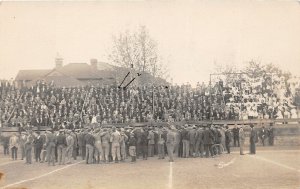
pixel 271 167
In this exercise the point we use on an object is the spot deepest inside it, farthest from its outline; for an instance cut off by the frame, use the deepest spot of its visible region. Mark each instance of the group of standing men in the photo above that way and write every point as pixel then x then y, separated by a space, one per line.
pixel 104 145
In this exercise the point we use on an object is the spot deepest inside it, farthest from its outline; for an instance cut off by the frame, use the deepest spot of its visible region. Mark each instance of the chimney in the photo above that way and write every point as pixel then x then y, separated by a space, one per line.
pixel 94 63
pixel 58 62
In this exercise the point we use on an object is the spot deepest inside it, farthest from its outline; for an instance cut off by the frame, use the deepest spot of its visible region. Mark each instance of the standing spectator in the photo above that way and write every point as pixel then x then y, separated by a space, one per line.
pixel 90 143
pixel 192 139
pixel 98 146
pixel 5 143
pixel 105 145
pixel 81 144
pixel 253 139
pixel 218 138
pixel 242 140
pixel 22 144
pixel 115 139
pixel 132 147
pixel 161 143
pixel 263 135
pixel 144 143
pixel 170 142
pixel 14 143
pixel 70 146
pixel 185 142
pixel 199 142
pixel 271 135
pixel 208 139
pixel 227 139
pixel 177 143
pixel 28 147
pixel 151 143
pixel 61 147
pixel 123 141
pixel 38 145
pixel 51 141
pixel 235 132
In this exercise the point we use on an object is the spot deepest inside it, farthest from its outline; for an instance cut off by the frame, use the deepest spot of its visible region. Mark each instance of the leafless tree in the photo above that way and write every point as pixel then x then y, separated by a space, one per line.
pixel 137 51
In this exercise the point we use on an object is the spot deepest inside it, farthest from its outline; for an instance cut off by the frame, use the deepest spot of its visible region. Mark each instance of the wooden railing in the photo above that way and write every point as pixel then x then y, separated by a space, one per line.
pixel 258 122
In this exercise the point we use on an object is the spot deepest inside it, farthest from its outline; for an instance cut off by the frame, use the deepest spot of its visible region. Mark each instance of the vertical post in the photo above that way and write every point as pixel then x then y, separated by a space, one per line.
pixel 272 116
pixel 153 101
pixel 210 96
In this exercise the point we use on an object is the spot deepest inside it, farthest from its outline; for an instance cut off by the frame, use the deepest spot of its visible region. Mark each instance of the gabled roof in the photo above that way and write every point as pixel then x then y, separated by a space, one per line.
pixel 59 81
pixel 31 74
pixel 105 66
pixel 79 71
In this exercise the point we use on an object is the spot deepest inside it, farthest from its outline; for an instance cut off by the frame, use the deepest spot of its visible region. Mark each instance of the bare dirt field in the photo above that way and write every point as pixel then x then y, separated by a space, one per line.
pixel 271 167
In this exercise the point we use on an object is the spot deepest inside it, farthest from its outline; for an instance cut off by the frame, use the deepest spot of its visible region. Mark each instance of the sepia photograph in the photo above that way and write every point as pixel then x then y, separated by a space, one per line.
pixel 150 94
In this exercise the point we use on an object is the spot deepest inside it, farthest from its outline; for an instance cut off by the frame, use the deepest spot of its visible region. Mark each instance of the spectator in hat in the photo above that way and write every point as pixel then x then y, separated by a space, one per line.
pixel 51 141
pixel 28 147
pixel 185 142
pixel 227 139
pixel 69 147
pixel 218 139
pixel 5 144
pixel 199 142
pixel 105 144
pixel 115 139
pixel 38 145
pixel 263 135
pixel 177 147
pixel 61 147
pixel 98 146
pixel 123 141
pixel 192 140
pixel 271 135
pixel 235 132
pixel 242 140
pixel 132 147
pixel 22 144
pixel 144 143
pixel 170 142
pixel 253 139
pixel 208 139
pixel 151 142
pixel 14 144
pixel 89 143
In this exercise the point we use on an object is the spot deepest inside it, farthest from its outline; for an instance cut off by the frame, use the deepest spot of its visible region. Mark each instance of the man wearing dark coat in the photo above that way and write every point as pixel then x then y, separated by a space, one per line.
pixel 253 139
pixel 263 135
pixel 207 139
pixel 227 139
pixel 271 135
pixel 38 145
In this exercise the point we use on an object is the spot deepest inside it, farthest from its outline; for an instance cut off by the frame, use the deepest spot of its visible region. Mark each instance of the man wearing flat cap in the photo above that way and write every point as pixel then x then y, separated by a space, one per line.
pixel 185 142
pixel 61 147
pixel 70 146
pixel 253 139
pixel 98 145
pixel 228 137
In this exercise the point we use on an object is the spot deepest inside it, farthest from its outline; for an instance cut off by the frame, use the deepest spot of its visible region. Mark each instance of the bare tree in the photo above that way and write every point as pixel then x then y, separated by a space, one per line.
pixel 139 52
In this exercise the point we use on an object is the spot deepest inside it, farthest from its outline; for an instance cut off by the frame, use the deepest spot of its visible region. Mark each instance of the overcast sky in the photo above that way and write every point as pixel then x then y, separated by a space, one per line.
pixel 191 35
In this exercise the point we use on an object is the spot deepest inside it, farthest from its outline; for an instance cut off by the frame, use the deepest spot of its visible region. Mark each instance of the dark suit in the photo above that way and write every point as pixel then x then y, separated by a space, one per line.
pixel 38 144
pixel 208 139
pixel 227 140
pixel 253 140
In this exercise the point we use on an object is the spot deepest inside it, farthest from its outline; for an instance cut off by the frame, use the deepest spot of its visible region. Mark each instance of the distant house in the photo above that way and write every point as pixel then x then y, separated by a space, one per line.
pixel 81 74
pixel 72 74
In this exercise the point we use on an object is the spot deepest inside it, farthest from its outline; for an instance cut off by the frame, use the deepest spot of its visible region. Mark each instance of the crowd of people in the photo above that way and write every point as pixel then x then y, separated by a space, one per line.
pixel 104 145
pixel 75 107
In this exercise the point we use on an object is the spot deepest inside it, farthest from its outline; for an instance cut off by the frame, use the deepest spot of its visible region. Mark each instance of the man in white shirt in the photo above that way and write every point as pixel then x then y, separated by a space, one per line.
pixel 14 143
